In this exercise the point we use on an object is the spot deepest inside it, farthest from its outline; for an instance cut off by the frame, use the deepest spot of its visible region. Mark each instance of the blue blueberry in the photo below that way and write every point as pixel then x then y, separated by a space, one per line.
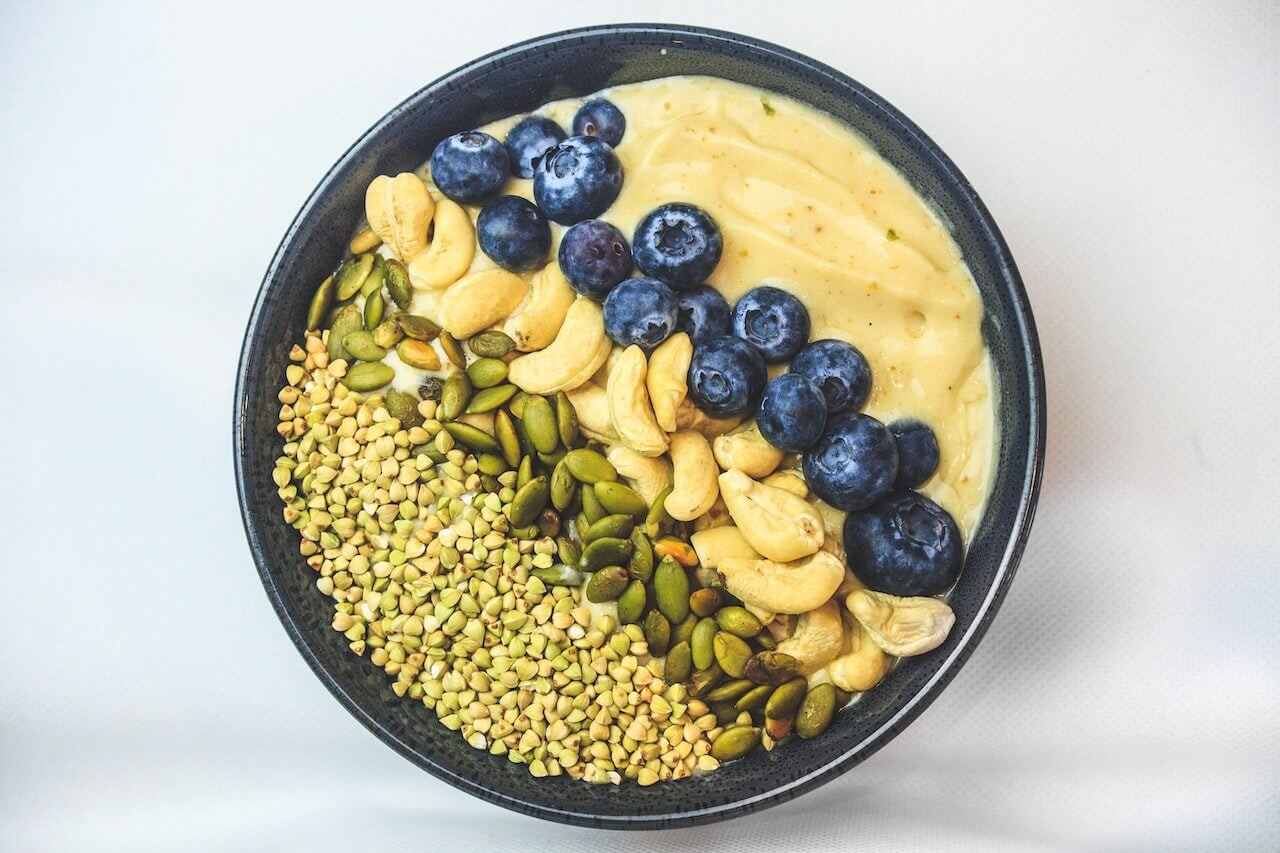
pixel 839 369
pixel 904 544
pixel 577 180
pixel 600 118
pixel 679 244
pixel 514 233
pixel 773 321
pixel 917 452
pixel 529 140
pixel 470 167
pixel 640 311
pixel 703 313
pixel 854 463
pixel 594 257
pixel 726 377
pixel 792 413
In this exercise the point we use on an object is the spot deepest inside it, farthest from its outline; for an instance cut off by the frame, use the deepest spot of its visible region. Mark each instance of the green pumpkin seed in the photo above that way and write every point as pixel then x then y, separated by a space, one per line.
pixel 613 526
pixel 724 711
pixel 388 333
pixel 374 307
pixel 397 279
pixel 702 643
pixel 678 665
pixel 588 466
pixel 505 434
pixel 403 406
pixel 474 438
pixel 418 328
pixel 351 274
pixel 361 345
pixel 786 698
pixel 739 621
pixel 708 578
pixel 453 350
pixel 491 344
pixel 703 680
pixel 730 691
pixel 373 283
pixel 559 575
pixel 606 584
pixel 735 742
pixel 517 405
pixel 487 372
pixel 682 632
pixel 540 424
pixel 489 399
pixel 524 474
pixel 732 653
pixel 552 459
pixel 348 320
pixel 454 396
pixel 771 668
pixel 321 302
pixel 608 551
pixel 658 521
pixel 766 641
pixel 566 420
pixel 491 464
pixel 816 711
pixel 591 507
pixel 418 354
pixel 671 590
pixel 641 557
pixel 754 699
pixel 368 376
pixel 631 604
pixel 657 633
pixel 563 487
pixel 530 500
pixel 617 498
pixel 365 241
pixel 568 551
pixel 704 602
pixel 526 446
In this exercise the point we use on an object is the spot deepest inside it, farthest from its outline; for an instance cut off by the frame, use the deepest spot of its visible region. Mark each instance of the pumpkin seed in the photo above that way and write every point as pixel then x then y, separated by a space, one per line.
pixel 540 424
pixel 517 405
pixel 658 521
pixel 568 551
pixel 373 283
pixel 373 310
pixel 566 420
pixel 474 438
pixel 735 742
pixel 397 279
pixel 641 557
pixel 684 631
pixel 487 372
pixel 453 350
pixel 729 691
pixel 491 344
pixel 403 406
pixel 765 641
pixel 732 653
pixel 529 501
pixel 361 345
pixel 563 487
pixel 418 354
pixel 816 711
pixel 606 584
pixel 365 241
pixel 617 498
pixel 491 464
pixel 348 320
pixel 657 633
pixel 430 388
pixel 454 396
pixel 321 302
pixel 678 664
pixel 608 551
pixel 526 446
pixel 418 328
pixel 489 399
pixel 771 668
pixel 704 601
pixel 591 507
pixel 552 459
pixel 671 590
pixel 351 274
pixel 786 698
pixel 702 643
pixel 559 575
pixel 524 473
pixel 708 578
pixel 705 679
pixel 613 526
pixel 388 333
pixel 754 698
pixel 505 434
pixel 588 466
pixel 631 604
pixel 739 621
pixel 368 376
pixel 779 727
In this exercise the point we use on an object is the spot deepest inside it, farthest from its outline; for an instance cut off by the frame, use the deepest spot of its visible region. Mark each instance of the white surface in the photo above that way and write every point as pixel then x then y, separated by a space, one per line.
pixel 1128 693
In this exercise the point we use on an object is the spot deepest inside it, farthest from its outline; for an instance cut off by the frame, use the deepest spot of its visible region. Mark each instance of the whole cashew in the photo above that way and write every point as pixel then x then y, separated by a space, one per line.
pixel 818 638
pixel 449 254
pixel 696 488
pixel 399 211
pixel 747 451
pixel 592 406
pixel 536 321
pixel 902 626
pixel 577 352
pixel 648 475
pixel 795 587
pixel 689 416
pixel 717 543
pixel 480 300
pixel 863 666
pixel 629 407
pixel 789 481
pixel 668 378
pixel 601 376
pixel 777 523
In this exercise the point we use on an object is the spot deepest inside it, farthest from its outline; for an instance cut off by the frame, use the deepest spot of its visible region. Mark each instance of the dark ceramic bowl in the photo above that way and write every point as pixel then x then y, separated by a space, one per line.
pixel 516 80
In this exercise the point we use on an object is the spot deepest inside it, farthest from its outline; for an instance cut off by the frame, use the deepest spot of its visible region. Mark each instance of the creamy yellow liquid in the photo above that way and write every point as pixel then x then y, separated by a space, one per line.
pixel 806 204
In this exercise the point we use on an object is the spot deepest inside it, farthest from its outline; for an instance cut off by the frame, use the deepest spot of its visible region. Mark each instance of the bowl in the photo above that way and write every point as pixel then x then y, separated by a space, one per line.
pixel 520 78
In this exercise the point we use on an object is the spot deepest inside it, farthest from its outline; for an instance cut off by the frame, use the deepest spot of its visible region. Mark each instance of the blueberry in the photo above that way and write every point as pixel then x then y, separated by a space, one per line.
pixel 594 257
pixel 773 321
pixel 839 369
pixel 703 313
pixel 854 463
pixel 528 141
pixel 917 452
pixel 470 167
pixel 792 413
pixel 679 244
pixel 514 233
pixel 640 311
pixel 577 180
pixel 726 377
pixel 600 118
pixel 905 544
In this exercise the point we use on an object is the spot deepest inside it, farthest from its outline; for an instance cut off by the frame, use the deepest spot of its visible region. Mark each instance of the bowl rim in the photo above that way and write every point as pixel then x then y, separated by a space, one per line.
pixel 914 706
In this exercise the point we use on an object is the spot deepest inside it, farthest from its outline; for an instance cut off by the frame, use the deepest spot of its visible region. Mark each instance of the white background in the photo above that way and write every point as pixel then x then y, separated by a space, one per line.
pixel 1128 694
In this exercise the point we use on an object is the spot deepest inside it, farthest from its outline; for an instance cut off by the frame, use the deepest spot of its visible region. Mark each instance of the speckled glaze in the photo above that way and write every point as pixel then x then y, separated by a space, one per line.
pixel 518 79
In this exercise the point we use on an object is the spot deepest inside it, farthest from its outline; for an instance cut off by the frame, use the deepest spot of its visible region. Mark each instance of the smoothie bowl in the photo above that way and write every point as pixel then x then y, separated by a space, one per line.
pixel 639 426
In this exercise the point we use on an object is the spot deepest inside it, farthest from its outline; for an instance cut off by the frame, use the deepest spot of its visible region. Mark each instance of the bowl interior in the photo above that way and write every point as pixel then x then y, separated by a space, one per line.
pixel 519 79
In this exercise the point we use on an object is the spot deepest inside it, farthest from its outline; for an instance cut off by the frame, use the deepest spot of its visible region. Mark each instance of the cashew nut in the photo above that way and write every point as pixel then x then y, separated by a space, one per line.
pixel 776 523
pixel 536 321
pixel 577 352
pixel 448 256
pixel 601 376
pixel 789 481
pixel 667 378
pixel 480 300
pixel 818 638
pixel 629 407
pixel 747 451
pixel 718 543
pixel 399 211
pixel 717 516
pixel 696 488
pixel 795 587
pixel 689 416
pixel 902 626
pixel 592 406
pixel 862 667
pixel 648 475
